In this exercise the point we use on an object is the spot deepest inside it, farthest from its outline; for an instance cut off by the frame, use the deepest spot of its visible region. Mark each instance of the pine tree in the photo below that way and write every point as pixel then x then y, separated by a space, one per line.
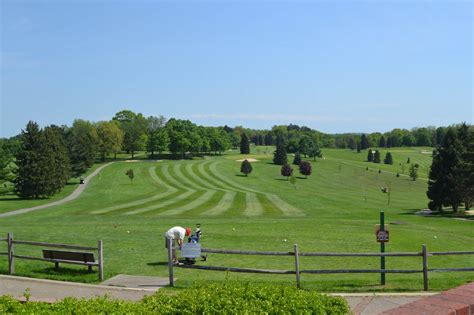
pixel 305 168
pixel 370 156
pixel 364 142
pixel 297 159
pixel 279 156
pixel 268 139
pixel 36 162
pixel 466 169
pixel 388 158
pixel 358 147
pixel 443 185
pixel 244 144
pixel 56 142
pixel 377 156
pixel 286 171
pixel 246 167
pixel 382 142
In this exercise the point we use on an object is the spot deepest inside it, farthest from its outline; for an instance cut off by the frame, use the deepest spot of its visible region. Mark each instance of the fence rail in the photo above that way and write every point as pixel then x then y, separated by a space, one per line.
pixel 298 271
pixel 11 254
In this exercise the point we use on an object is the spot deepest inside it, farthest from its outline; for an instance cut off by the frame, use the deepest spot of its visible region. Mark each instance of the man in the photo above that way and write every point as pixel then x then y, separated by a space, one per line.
pixel 176 234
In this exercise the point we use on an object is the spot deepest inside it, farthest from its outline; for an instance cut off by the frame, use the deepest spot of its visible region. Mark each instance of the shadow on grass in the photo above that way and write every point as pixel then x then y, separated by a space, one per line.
pixel 240 175
pixel 65 271
pixel 444 214
pixel 158 263
pixel 282 179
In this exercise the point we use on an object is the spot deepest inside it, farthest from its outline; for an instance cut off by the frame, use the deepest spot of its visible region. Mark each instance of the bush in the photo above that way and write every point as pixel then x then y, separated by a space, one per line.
pixel 228 298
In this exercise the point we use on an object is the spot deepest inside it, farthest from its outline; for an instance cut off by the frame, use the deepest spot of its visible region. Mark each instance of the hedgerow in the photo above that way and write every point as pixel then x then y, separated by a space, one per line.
pixel 228 298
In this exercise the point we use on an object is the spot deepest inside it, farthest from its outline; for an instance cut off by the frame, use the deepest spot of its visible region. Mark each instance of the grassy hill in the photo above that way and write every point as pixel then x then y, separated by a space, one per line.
pixel 333 210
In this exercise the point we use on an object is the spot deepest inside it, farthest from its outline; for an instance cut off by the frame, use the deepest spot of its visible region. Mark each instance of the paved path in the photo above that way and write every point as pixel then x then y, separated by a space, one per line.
pixel 51 290
pixel 136 287
pixel 76 193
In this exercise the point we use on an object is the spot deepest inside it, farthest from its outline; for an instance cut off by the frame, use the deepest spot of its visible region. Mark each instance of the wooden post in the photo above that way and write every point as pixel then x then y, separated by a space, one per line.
pixel 170 260
pixel 297 266
pixel 100 250
pixel 11 262
pixel 425 267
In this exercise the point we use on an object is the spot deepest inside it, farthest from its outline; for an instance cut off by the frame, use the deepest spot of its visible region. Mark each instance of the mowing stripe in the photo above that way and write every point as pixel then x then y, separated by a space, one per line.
pixel 223 205
pixel 185 179
pixel 286 208
pixel 170 179
pixel 170 190
pixel 192 173
pixel 254 208
pixel 192 205
pixel 227 181
pixel 210 178
pixel 159 205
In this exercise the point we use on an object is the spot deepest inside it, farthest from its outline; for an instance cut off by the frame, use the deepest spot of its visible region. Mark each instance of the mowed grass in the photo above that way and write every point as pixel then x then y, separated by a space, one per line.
pixel 333 210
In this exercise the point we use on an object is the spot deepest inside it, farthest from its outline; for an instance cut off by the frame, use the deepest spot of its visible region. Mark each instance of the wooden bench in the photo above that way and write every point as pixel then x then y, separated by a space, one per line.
pixel 68 257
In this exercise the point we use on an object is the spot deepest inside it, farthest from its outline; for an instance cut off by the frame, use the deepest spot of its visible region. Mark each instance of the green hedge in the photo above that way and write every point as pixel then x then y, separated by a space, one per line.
pixel 227 298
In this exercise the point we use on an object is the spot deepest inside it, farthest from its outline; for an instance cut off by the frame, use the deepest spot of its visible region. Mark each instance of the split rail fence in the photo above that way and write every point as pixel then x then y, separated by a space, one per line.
pixel 424 254
pixel 12 256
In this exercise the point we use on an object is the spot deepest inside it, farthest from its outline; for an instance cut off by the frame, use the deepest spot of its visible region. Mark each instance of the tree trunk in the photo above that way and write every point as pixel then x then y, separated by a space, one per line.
pixel 133 153
pixel 467 205
pixel 115 155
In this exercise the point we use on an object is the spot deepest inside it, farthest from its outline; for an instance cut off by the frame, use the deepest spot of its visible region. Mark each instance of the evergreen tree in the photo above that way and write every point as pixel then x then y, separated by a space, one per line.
pixel 466 169
pixel 246 167
pixel 268 139
pixel 286 171
pixel 388 158
pixel 413 172
pixel 351 143
pixel 305 168
pixel 279 156
pixel 60 173
pixel 377 156
pixel 244 144
pixel 444 183
pixel 35 161
pixel 364 142
pixel 370 156
pixel 388 144
pixel 297 159
pixel 358 147
pixel 382 142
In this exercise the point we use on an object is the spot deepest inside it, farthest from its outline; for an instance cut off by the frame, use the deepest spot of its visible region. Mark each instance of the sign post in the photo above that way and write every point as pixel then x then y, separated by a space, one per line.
pixel 382 247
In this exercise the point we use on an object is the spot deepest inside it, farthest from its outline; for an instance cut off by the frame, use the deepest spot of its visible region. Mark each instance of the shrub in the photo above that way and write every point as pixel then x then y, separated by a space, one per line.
pixel 286 171
pixel 246 167
pixel 227 298
pixel 305 168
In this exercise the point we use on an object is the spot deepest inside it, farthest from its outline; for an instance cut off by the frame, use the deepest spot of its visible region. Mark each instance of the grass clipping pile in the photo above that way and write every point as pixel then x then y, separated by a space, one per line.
pixel 229 298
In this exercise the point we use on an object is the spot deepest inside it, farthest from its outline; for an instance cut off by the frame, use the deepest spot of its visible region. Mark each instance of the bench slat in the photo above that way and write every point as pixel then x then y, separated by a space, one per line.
pixel 68 256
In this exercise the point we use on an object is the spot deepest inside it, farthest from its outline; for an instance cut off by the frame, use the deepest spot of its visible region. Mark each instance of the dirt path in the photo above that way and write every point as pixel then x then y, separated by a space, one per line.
pixel 76 193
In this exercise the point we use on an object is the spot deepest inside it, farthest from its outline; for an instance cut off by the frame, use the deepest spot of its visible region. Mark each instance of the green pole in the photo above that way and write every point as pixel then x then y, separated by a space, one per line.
pixel 382 249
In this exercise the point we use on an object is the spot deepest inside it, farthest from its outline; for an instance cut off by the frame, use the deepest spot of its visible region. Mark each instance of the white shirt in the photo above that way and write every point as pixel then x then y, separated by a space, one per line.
pixel 175 232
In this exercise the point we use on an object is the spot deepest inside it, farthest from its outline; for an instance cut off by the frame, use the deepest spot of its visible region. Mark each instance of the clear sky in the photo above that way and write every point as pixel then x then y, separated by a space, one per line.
pixel 335 66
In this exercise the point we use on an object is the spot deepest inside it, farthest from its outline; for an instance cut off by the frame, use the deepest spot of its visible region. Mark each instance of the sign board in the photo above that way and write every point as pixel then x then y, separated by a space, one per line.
pixel 382 236
pixel 191 250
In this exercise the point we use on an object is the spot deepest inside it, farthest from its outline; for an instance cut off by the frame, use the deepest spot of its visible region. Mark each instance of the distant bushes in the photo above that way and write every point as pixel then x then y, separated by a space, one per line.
pixel 225 298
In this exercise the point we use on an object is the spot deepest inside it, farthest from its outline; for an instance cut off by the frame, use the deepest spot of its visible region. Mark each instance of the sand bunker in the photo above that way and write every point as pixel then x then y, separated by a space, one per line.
pixel 132 161
pixel 250 160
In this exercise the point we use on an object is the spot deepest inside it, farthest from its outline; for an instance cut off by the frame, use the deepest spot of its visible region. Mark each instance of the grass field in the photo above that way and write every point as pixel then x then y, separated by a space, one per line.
pixel 334 210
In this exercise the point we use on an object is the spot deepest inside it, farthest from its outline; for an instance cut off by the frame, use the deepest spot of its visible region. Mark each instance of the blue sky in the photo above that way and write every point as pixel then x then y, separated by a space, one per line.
pixel 341 66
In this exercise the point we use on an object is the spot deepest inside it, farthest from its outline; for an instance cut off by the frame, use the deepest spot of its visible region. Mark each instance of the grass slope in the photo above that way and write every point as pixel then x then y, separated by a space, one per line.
pixel 334 210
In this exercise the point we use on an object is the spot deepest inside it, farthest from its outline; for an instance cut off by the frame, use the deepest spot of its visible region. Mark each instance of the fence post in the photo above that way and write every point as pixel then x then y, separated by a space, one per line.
pixel 425 267
pixel 382 249
pixel 100 250
pixel 11 262
pixel 170 260
pixel 297 266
